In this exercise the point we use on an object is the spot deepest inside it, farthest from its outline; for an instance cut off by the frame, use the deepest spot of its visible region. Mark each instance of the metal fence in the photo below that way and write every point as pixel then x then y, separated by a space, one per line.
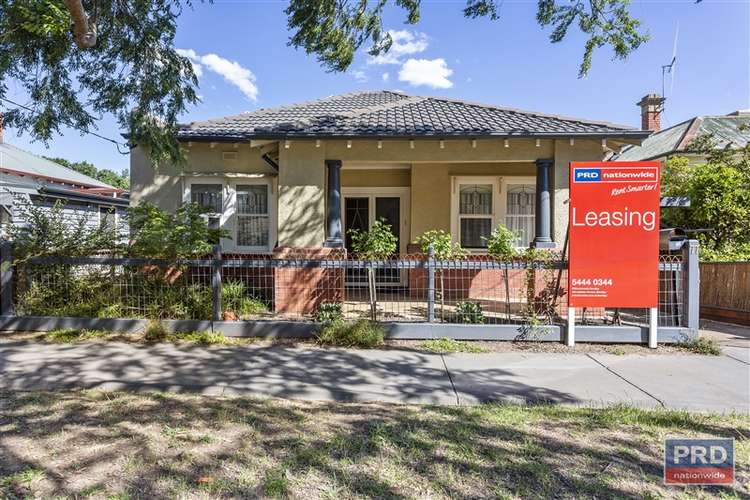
pixel 408 288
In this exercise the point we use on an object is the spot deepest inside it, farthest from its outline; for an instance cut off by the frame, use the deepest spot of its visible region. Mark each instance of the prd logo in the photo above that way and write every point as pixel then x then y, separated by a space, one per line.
pixel 587 175
pixel 699 461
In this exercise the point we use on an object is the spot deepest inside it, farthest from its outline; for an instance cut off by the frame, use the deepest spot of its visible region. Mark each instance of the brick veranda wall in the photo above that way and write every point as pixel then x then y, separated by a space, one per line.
pixel 302 290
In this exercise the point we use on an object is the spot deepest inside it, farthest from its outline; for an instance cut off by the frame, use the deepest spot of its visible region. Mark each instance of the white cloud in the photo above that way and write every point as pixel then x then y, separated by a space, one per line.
pixel 404 43
pixel 386 77
pixel 431 72
pixel 359 75
pixel 231 71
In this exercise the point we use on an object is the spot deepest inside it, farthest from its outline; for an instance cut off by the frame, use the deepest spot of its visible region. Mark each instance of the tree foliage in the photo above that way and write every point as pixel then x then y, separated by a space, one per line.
pixel 719 192
pixel 335 30
pixel 45 232
pixel 443 246
pixel 157 233
pixel 501 243
pixel 78 60
pixel 132 71
pixel 105 175
pixel 376 244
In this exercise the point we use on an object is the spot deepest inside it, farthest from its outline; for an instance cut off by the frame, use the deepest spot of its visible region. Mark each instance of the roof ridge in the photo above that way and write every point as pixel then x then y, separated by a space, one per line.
pixel 286 107
pixel 690 132
pixel 533 113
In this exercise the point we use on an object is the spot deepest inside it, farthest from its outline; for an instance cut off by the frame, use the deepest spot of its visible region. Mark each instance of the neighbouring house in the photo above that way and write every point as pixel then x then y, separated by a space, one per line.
pixel 729 130
pixel 297 178
pixel 25 177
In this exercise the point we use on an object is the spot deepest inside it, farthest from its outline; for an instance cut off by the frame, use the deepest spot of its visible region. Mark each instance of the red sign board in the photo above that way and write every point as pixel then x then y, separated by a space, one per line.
pixel 614 234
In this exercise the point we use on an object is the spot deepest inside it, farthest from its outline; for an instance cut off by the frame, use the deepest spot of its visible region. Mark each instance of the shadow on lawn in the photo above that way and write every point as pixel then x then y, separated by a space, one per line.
pixel 155 445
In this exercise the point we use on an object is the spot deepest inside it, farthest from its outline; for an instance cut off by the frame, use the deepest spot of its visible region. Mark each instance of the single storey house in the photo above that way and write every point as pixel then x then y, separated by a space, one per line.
pixel 727 131
pixel 26 178
pixel 301 176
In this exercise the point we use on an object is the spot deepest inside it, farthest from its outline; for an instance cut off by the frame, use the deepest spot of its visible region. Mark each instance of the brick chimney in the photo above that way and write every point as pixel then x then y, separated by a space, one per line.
pixel 651 107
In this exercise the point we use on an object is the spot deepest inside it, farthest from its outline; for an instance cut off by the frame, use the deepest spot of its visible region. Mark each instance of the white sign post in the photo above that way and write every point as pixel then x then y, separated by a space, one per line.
pixel 570 339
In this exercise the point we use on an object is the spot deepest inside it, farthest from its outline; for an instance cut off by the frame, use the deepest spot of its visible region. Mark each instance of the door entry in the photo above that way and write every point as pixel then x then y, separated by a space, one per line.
pixel 360 213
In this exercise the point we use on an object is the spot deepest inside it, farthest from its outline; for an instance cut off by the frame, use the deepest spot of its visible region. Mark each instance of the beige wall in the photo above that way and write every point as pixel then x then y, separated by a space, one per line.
pixel 431 190
pixel 162 186
pixel 302 176
pixel 302 195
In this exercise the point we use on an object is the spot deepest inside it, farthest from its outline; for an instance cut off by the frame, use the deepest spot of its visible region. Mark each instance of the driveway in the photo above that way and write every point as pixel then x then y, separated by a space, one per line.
pixel 680 381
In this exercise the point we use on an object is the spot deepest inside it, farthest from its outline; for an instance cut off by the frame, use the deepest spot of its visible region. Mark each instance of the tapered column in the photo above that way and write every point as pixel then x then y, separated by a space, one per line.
pixel 543 216
pixel 333 220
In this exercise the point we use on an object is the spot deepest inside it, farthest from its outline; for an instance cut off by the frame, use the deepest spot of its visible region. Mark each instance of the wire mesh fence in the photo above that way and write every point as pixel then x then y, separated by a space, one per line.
pixel 294 286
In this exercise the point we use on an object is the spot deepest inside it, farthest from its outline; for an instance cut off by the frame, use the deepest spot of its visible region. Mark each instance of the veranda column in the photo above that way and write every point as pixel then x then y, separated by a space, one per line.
pixel 333 220
pixel 543 215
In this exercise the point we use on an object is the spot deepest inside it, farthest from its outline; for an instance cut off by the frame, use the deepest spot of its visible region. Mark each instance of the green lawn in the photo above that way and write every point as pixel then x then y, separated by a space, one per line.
pixel 123 445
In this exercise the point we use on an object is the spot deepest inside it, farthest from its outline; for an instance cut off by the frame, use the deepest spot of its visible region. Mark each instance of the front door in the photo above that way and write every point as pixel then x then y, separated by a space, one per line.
pixel 360 213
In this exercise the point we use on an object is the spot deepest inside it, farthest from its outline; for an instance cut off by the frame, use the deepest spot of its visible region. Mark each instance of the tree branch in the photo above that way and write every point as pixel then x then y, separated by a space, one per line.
pixel 84 28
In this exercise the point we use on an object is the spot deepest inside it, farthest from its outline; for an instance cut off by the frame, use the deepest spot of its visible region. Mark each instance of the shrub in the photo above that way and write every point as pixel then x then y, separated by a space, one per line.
pixel 446 344
pixel 701 345
pixel 155 331
pixel 501 243
pixel 442 244
pixel 157 233
pixel 469 312
pixel 52 232
pixel 362 333
pixel 235 297
pixel 329 312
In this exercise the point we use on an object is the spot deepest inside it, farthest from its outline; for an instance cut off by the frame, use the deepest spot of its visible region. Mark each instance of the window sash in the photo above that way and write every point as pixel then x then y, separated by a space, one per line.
pixel 208 196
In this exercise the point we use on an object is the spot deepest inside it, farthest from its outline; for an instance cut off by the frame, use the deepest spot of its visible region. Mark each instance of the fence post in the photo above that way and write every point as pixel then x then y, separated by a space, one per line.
pixel 430 284
pixel 691 291
pixel 216 283
pixel 6 278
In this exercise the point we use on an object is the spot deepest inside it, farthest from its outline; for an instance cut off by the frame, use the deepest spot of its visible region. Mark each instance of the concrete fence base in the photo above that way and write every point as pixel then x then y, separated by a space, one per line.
pixel 401 331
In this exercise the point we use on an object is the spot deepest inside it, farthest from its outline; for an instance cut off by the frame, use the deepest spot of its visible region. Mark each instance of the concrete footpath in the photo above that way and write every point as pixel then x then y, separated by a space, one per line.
pixel 683 381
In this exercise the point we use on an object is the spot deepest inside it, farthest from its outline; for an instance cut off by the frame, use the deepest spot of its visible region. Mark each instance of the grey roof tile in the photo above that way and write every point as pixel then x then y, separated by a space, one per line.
pixel 393 114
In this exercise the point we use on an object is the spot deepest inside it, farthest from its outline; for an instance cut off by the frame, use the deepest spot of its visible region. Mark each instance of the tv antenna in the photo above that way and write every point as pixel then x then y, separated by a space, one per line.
pixel 669 69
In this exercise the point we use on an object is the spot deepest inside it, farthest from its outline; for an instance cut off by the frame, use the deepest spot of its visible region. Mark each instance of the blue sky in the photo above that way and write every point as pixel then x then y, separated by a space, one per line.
pixel 241 49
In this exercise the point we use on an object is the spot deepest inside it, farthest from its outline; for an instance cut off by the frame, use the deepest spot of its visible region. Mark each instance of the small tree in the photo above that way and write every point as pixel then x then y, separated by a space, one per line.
pixel 443 248
pixel 378 243
pixel 501 246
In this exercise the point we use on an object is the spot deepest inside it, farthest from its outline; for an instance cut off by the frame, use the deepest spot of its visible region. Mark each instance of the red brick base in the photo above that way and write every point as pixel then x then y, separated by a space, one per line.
pixel 302 290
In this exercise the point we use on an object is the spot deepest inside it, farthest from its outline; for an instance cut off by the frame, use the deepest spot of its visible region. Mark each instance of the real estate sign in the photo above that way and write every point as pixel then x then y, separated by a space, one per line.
pixel 614 234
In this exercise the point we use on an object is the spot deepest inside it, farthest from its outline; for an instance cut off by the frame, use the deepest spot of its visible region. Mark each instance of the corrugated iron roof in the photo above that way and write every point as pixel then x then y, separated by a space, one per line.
pixel 727 130
pixel 14 159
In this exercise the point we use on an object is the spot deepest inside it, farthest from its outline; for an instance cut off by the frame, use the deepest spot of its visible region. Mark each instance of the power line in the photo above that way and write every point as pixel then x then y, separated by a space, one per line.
pixel 85 131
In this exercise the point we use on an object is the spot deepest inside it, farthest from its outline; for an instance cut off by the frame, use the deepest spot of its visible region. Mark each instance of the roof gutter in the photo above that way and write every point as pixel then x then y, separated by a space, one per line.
pixel 634 134
pixel 59 180
pixel 80 196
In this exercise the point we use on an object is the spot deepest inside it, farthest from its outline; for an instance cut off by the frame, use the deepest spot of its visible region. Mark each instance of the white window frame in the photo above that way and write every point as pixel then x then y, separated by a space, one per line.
pixel 253 181
pixel 228 216
pixel 499 200
pixel 528 181
pixel 109 208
